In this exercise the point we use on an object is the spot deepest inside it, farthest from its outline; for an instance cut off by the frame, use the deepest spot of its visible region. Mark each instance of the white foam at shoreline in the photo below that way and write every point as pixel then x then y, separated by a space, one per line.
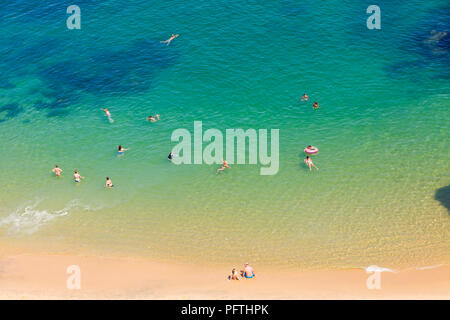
pixel 374 268
pixel 28 219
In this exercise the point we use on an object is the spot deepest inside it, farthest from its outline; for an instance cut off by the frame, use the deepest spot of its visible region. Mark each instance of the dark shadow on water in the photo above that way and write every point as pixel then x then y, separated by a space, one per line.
pixel 443 196
pixel 431 39
pixel 5 84
pixel 108 73
pixel 9 111
pixel 111 72
pixel 293 8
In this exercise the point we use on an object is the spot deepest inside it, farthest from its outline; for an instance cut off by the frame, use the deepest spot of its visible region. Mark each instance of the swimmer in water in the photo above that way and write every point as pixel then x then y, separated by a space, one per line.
pixel 57 170
pixel 108 114
pixel 173 36
pixel 153 119
pixel 121 150
pixel 108 183
pixel 304 97
pixel 224 166
pixel 315 105
pixel 309 163
pixel 77 177
pixel 171 155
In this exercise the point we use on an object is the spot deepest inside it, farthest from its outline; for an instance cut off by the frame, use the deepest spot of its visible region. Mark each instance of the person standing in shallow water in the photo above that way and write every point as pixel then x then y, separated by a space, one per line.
pixel 224 166
pixel 77 177
pixel 108 183
pixel 57 170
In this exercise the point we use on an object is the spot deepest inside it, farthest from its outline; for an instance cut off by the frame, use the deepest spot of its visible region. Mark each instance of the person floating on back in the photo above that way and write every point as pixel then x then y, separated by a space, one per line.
pixel 77 177
pixel 173 36
pixel 57 170
pixel 224 166
pixel 309 163
pixel 108 183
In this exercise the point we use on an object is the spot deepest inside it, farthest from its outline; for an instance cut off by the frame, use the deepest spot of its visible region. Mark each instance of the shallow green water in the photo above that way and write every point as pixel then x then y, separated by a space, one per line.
pixel 382 130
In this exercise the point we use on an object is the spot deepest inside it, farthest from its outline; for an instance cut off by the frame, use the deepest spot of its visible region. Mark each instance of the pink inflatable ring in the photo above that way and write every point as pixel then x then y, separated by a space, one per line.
pixel 311 150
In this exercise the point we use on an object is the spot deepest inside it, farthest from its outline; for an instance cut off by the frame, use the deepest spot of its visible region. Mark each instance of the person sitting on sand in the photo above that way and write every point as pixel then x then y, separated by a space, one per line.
pixel 304 97
pixel 121 150
pixel 108 183
pixel 309 163
pixel 315 105
pixel 77 177
pixel 234 275
pixel 173 36
pixel 248 272
pixel 57 170
pixel 224 166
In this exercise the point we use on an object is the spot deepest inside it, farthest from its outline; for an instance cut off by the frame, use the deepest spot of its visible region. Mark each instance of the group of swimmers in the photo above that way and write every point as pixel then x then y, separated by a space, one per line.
pixel 248 273
pixel 77 176
pixel 308 160
pixel 305 98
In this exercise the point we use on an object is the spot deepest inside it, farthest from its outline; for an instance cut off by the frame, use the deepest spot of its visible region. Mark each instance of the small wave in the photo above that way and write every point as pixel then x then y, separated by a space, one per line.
pixel 429 267
pixel 29 219
pixel 374 268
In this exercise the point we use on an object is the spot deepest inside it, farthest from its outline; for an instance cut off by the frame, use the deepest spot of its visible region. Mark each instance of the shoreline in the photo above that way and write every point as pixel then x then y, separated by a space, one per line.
pixel 44 276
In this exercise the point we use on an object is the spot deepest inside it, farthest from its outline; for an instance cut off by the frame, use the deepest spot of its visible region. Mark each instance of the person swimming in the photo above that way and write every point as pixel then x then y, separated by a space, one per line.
pixel 173 36
pixel 170 156
pixel 108 114
pixel 304 97
pixel 153 119
pixel 57 170
pixel 108 183
pixel 77 177
pixel 248 271
pixel 224 166
pixel 121 150
pixel 309 163
pixel 315 105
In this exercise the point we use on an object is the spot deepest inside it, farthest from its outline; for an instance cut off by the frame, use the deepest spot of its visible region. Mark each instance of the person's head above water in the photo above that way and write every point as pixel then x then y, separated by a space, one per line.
pixel 56 166
pixel 107 178
pixel 119 147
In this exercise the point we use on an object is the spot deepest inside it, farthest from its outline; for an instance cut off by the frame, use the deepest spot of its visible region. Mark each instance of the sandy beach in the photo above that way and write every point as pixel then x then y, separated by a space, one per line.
pixel 43 276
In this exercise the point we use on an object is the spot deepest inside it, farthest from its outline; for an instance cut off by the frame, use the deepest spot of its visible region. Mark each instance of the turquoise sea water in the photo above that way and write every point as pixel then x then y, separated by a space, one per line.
pixel 380 197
